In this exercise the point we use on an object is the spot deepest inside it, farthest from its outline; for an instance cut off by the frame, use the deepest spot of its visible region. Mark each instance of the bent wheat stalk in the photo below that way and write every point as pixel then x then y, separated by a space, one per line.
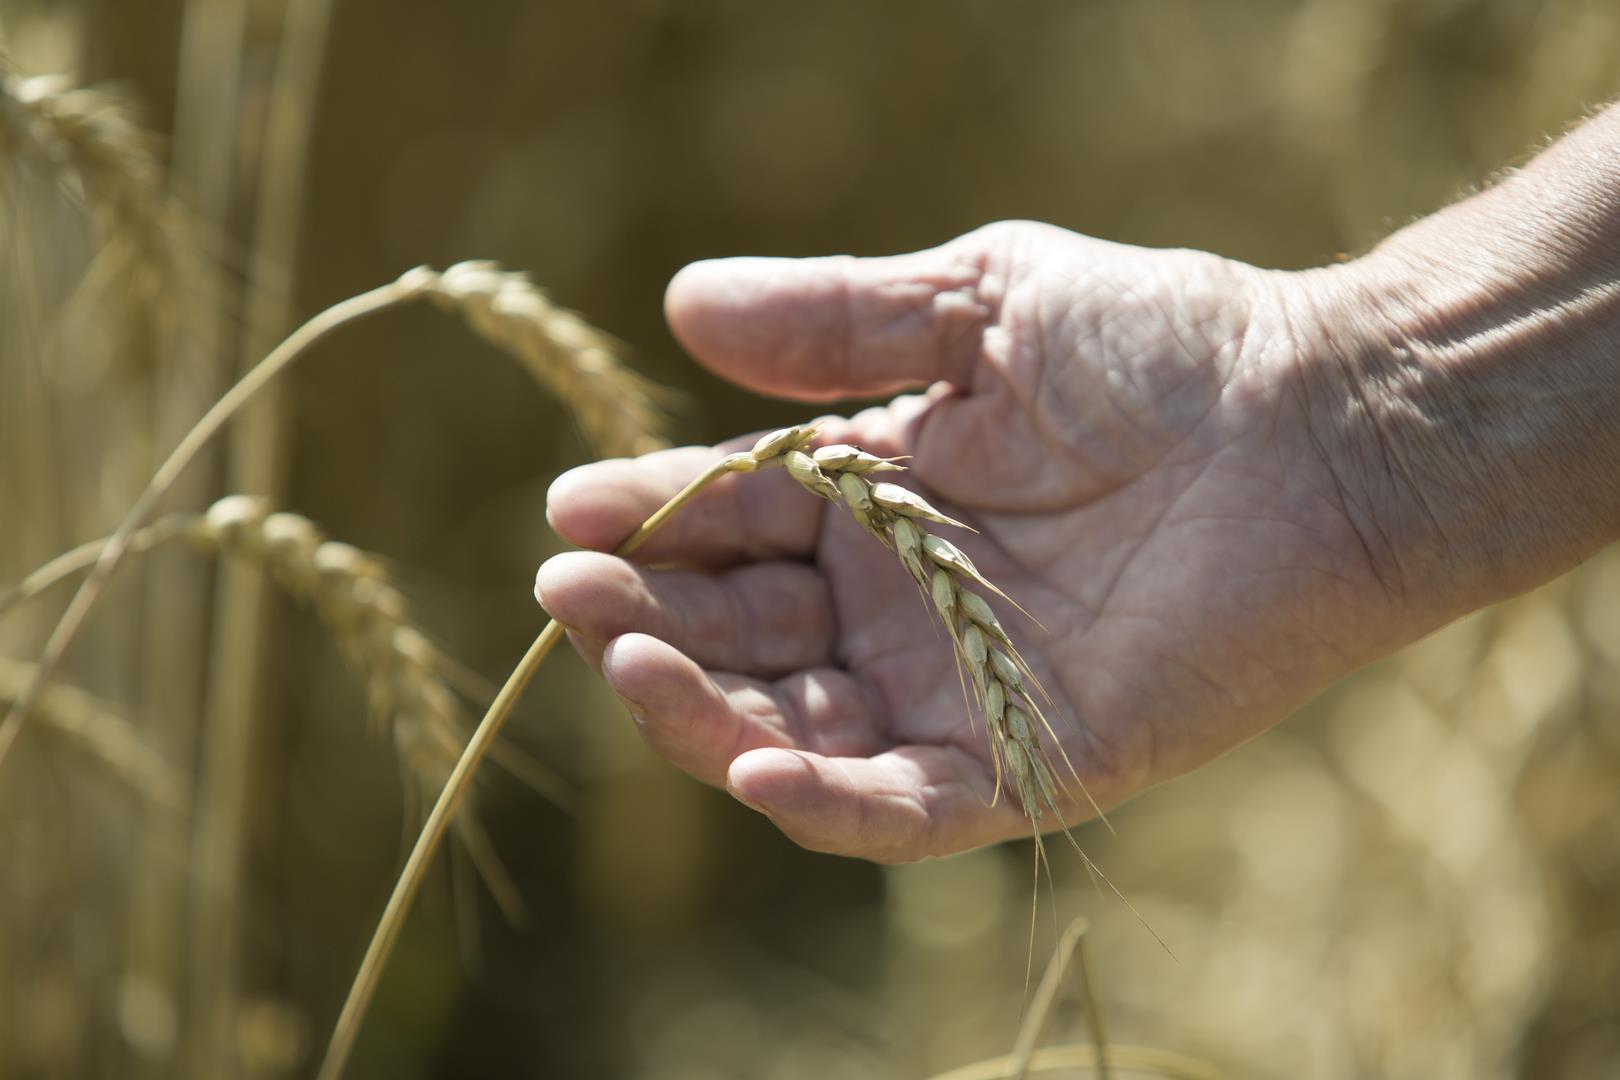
pixel 484 738
pixel 1001 679
pixel 196 439
pixel 502 306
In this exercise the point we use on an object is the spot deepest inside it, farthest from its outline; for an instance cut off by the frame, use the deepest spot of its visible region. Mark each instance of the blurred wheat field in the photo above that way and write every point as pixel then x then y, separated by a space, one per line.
pixel 1416 877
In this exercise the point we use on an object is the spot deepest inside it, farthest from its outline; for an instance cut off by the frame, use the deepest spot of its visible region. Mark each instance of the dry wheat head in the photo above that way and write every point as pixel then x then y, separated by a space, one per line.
pixel 88 139
pixel 1003 688
pixel 95 727
pixel 618 411
pixel 408 677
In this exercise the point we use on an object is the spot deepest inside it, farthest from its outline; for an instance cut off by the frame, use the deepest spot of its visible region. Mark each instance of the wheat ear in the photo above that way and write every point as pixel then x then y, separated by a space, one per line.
pixel 90 136
pixel 1003 686
pixel 95 727
pixel 503 320
pixel 618 411
pixel 90 132
pixel 411 683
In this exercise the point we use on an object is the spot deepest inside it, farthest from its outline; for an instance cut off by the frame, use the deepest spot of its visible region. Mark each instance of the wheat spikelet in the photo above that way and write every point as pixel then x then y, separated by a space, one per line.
pixel 618 411
pixel 408 678
pixel 90 141
pixel 410 682
pixel 95 727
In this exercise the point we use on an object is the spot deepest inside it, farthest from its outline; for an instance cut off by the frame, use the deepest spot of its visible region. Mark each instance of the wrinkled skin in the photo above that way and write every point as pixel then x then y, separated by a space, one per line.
pixel 1136 436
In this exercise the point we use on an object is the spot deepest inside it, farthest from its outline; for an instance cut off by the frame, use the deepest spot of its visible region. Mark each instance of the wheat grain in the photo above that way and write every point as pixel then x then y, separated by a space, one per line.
pixel 617 410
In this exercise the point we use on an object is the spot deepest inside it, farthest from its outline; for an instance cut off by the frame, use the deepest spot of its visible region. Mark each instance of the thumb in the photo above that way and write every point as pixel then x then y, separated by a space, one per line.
pixel 836 327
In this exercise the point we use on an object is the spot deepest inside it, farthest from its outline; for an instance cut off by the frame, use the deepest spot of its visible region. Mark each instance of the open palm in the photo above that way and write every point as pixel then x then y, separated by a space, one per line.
pixel 1127 430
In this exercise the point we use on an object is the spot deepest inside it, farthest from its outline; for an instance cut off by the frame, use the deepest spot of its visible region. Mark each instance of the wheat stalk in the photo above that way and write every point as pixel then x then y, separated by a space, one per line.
pixel 485 738
pixel 1071 947
pixel 1064 1060
pixel 239 683
pixel 95 727
pixel 1101 1058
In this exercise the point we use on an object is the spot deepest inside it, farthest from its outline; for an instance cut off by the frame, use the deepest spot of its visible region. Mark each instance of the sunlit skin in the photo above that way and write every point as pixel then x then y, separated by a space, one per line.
pixel 1196 475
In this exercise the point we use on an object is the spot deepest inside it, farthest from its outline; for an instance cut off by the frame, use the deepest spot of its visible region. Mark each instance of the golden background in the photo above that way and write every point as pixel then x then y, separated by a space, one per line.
pixel 1418 877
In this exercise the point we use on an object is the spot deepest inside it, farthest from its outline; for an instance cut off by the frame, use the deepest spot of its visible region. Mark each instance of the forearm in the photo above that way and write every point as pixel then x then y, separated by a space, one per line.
pixel 1466 376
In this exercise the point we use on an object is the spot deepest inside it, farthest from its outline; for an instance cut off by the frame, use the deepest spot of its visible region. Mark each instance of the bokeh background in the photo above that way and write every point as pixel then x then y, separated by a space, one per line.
pixel 1419 876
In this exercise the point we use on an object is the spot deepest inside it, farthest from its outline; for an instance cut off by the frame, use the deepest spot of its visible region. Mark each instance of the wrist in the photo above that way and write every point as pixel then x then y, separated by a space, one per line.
pixel 1464 382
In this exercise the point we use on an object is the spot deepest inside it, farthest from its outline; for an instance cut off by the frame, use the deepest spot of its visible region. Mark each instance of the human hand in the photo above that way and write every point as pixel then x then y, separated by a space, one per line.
pixel 1121 427
pixel 1195 474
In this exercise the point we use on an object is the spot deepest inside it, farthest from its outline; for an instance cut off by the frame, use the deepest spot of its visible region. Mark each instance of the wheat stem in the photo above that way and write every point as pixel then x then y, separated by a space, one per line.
pixel 240 687
pixel 364 987
pixel 82 558
pixel 1070 948
pixel 410 880
pixel 1093 1004
pixel 234 399
pixel 1065 1059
